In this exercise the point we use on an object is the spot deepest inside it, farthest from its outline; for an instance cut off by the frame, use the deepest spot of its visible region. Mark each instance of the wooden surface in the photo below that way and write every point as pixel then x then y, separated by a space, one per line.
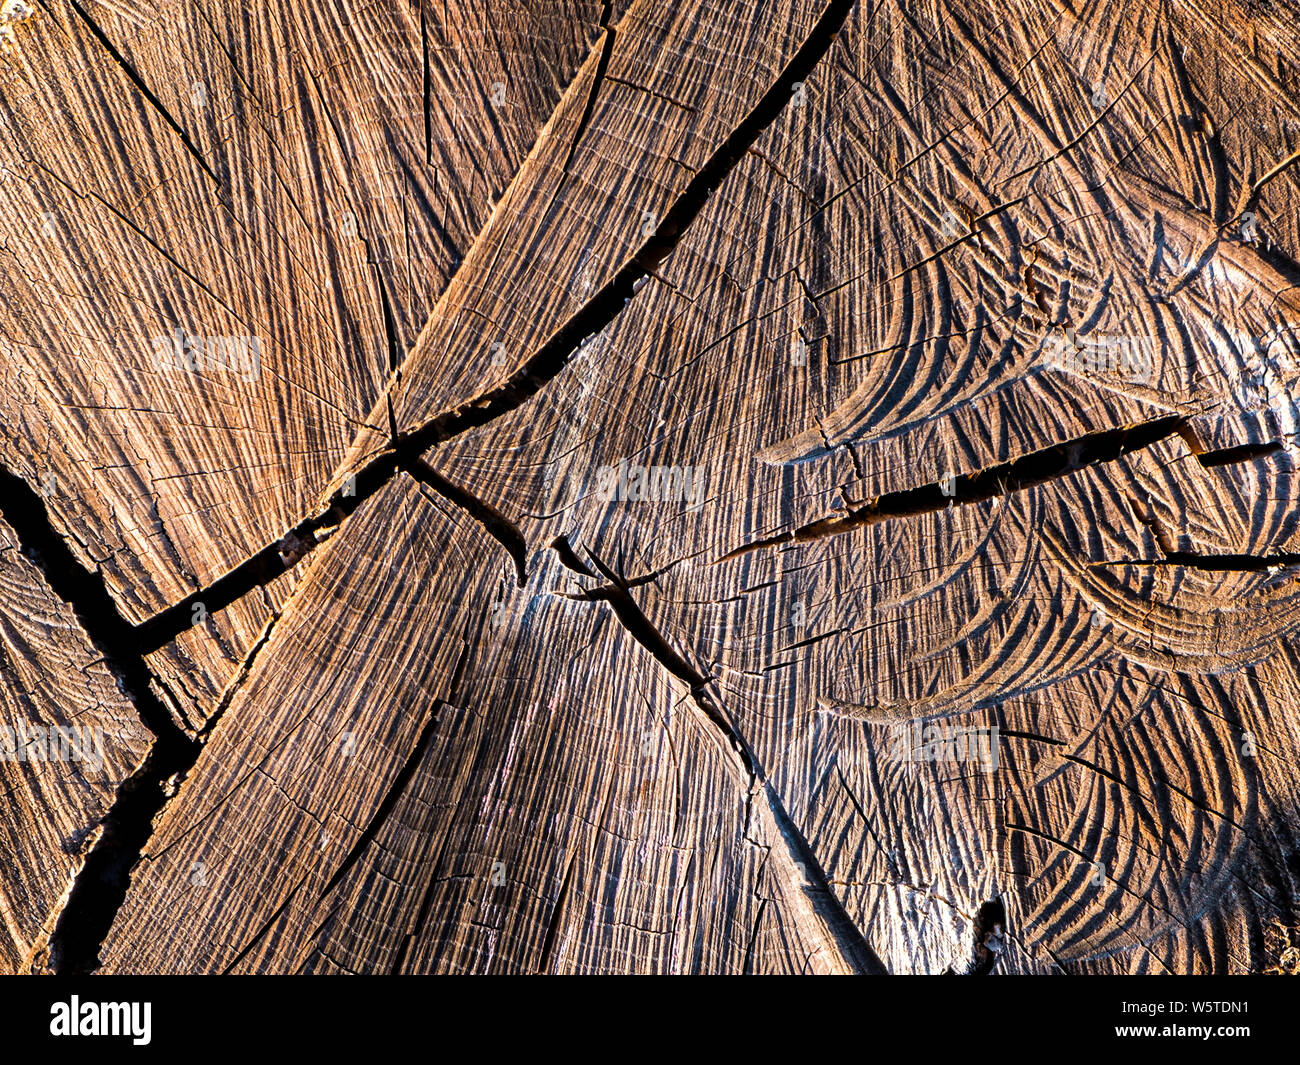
pixel 389 684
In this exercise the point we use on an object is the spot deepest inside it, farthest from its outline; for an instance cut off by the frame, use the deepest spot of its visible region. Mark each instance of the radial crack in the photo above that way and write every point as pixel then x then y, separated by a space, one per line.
pixel 87 594
pixel 496 524
pixel 849 941
pixel 148 93
pixel 100 886
pixel 607 303
pixel 1036 468
pixel 540 368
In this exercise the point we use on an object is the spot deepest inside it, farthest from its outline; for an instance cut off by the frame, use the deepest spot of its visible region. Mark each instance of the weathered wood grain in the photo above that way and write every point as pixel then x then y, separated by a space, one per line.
pixel 56 786
pixel 274 175
pixel 465 798
pixel 961 337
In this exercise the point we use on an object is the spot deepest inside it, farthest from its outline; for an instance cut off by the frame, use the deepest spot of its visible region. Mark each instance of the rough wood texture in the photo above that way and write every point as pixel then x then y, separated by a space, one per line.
pixel 51 678
pixel 959 342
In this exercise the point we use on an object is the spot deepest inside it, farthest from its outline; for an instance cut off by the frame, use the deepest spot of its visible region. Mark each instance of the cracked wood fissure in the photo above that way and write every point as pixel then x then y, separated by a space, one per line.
pixel 145 91
pixel 854 949
pixel 1056 461
pixel 678 431
pixel 313 226
pixel 540 367
pixel 100 884
pixel 137 807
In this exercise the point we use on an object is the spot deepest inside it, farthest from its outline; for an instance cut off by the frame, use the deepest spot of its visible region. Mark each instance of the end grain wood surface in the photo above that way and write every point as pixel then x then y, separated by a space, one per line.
pixel 560 486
